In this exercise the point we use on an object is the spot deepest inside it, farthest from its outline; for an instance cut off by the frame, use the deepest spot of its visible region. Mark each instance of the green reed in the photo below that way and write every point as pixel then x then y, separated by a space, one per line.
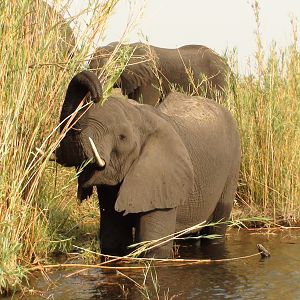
pixel 266 106
pixel 36 67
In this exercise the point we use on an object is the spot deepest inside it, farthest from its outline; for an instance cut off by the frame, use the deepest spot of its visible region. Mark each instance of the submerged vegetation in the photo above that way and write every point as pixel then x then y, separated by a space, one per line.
pixel 38 210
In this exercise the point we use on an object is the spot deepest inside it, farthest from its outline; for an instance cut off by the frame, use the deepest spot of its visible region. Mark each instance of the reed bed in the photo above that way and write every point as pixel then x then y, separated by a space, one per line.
pixel 266 106
pixel 36 66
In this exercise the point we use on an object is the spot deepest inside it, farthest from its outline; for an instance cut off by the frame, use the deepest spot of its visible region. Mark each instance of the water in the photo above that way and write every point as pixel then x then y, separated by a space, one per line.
pixel 253 278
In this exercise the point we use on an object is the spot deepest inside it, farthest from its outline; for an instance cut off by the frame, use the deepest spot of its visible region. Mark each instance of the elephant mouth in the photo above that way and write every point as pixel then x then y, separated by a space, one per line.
pixel 93 175
pixel 88 175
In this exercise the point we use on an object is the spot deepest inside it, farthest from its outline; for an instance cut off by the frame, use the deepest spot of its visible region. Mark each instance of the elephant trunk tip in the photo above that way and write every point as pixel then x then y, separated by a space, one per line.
pixel 91 81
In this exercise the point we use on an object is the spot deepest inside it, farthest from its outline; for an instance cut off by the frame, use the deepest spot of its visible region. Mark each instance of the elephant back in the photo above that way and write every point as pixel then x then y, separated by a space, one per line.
pixel 195 69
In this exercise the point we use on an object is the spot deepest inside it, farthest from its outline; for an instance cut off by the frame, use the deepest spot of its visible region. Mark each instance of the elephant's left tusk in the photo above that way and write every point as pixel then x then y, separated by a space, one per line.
pixel 99 160
pixel 40 151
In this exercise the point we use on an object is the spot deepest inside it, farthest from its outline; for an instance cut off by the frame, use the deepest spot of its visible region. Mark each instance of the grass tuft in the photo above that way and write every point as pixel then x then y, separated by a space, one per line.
pixel 267 110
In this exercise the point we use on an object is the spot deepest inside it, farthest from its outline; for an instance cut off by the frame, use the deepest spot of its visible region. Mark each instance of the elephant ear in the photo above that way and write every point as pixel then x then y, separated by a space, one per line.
pixel 140 70
pixel 135 76
pixel 162 176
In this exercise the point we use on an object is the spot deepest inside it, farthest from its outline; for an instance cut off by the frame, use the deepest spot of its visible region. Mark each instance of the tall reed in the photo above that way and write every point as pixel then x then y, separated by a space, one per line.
pixel 267 109
pixel 36 66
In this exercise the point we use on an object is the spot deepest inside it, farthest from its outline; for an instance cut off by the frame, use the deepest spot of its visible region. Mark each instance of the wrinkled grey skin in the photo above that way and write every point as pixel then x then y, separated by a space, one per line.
pixel 152 71
pixel 166 168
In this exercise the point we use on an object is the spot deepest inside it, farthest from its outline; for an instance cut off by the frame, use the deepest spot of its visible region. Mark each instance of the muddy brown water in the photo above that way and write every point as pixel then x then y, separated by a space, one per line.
pixel 277 277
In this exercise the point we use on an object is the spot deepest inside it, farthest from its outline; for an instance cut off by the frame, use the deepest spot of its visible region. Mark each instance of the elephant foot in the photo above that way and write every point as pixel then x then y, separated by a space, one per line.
pixel 161 252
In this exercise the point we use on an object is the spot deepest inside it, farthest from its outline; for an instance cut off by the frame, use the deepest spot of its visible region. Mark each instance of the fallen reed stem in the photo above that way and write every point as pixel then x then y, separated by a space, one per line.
pixel 158 263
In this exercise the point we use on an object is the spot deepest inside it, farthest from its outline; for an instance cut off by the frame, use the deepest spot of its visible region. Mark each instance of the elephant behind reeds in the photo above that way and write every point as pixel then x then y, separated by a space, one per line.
pixel 41 22
pixel 152 72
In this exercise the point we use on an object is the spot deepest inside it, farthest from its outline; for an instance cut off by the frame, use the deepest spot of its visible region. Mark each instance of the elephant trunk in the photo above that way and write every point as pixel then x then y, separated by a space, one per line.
pixel 81 84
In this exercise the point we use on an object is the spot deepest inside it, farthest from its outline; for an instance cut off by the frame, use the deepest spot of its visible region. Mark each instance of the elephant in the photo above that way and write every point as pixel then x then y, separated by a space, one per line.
pixel 157 170
pixel 151 71
pixel 41 17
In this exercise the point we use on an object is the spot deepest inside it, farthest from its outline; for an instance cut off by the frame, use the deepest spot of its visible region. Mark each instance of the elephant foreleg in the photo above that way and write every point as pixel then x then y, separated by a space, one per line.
pixel 115 233
pixel 115 229
pixel 154 225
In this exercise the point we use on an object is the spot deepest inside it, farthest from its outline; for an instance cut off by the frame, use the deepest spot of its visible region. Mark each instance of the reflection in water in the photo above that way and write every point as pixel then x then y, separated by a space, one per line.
pixel 211 250
pixel 253 278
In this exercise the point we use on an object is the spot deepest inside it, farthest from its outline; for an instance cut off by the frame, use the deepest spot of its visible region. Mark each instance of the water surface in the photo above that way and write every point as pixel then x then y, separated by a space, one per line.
pixel 253 278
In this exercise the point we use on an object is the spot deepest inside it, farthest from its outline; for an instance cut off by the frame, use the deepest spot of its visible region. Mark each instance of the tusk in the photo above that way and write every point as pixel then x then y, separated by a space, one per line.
pixel 99 160
pixel 41 152
pixel 52 157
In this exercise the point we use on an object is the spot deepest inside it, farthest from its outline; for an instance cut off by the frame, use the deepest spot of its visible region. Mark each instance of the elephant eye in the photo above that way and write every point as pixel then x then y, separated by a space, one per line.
pixel 122 137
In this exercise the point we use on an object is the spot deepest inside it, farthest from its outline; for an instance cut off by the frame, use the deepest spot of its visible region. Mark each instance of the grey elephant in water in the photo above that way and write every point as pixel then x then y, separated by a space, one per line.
pixel 152 71
pixel 157 169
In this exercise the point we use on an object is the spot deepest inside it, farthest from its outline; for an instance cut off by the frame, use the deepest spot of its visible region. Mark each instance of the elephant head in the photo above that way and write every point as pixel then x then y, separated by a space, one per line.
pixel 124 143
pixel 140 78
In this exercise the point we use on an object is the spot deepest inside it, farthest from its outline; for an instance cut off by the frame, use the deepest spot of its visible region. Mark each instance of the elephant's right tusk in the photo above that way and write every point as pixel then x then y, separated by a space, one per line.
pixel 41 152
pixel 99 160
pixel 52 157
